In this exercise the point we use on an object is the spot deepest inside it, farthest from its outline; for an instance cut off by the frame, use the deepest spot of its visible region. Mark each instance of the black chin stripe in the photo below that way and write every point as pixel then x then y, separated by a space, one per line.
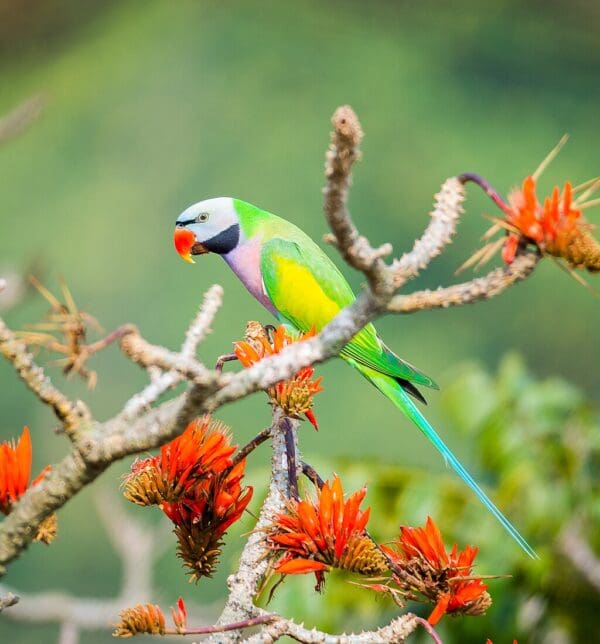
pixel 225 241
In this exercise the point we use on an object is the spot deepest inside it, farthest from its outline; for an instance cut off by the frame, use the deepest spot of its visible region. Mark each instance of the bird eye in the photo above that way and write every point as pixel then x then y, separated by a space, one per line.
pixel 202 217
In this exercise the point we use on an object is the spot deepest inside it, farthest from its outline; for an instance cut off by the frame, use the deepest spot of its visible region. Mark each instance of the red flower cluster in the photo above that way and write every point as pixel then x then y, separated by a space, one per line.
pixel 149 618
pixel 179 616
pixel 313 536
pixel 197 485
pixel 422 565
pixel 557 226
pixel 294 396
pixel 201 451
pixel 214 503
pixel 15 470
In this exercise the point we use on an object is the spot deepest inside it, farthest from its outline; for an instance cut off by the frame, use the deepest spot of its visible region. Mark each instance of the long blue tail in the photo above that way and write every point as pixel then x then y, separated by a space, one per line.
pixel 392 390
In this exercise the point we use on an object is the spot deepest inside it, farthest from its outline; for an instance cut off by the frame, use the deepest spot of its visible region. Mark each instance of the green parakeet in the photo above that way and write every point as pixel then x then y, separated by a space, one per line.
pixel 293 278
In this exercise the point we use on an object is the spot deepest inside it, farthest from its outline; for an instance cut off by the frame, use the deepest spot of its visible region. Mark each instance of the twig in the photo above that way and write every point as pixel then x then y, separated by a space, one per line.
pixel 340 157
pixel 146 355
pixel 485 186
pixel 429 628
pixel 197 331
pixel 223 628
pixel 221 360
pixel 579 553
pixel 291 450
pixel 395 632
pixel 21 117
pixel 201 324
pixel 480 288
pixel 445 216
pixel 7 600
pixel 72 415
pixel 310 472
pixel 260 438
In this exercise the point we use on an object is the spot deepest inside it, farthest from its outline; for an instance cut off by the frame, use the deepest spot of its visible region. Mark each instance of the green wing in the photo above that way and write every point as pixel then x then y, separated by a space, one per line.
pixel 308 290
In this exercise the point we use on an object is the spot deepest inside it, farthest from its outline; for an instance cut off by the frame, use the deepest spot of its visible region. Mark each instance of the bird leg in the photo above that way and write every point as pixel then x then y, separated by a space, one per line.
pixel 270 331
pixel 221 360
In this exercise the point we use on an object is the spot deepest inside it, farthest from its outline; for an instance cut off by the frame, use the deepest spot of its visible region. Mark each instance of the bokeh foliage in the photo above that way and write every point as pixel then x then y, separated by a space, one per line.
pixel 153 107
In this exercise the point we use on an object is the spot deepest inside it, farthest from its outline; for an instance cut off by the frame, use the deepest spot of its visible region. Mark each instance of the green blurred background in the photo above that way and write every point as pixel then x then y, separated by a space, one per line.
pixel 152 106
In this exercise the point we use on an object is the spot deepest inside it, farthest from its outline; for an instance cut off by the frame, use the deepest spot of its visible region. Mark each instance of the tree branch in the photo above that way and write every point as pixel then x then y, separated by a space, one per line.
pixel 480 288
pixel 395 632
pixel 579 553
pixel 72 415
pixel 253 566
pixel 197 331
pixel 21 117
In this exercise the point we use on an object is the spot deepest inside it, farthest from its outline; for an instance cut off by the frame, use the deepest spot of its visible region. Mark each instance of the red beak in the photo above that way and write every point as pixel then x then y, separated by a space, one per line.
pixel 184 240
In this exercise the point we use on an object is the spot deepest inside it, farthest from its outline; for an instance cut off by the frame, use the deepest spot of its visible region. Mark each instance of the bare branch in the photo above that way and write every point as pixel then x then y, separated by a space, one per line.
pixel 244 584
pixel 13 289
pixel 197 331
pixel 579 553
pixel 396 631
pixel 72 415
pixel 341 155
pixel 137 545
pixel 200 326
pixel 480 288
pixel 69 633
pixel 243 452
pixel 385 280
pixel 445 215
pixel 21 117
pixel 7 600
pixel 151 355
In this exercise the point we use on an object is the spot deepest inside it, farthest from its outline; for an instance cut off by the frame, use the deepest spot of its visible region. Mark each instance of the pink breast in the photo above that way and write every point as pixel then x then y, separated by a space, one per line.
pixel 244 261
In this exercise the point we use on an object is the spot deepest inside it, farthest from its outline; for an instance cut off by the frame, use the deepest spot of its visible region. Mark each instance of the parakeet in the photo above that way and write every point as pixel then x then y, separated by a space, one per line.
pixel 294 280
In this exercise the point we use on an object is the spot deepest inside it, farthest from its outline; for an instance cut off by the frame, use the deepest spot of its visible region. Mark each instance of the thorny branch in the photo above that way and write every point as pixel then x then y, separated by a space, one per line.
pixel 139 426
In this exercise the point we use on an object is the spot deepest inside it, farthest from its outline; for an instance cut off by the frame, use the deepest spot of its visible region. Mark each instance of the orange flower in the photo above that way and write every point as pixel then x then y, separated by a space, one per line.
pixel 179 616
pixel 313 536
pixel 217 502
pixel 204 514
pixel 149 618
pixel 15 470
pixel 196 484
pixel 146 618
pixel 557 226
pixel 294 396
pixel 203 450
pixel 423 566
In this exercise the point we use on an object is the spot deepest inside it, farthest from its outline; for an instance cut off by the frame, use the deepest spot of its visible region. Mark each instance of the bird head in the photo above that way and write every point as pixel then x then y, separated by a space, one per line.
pixel 210 226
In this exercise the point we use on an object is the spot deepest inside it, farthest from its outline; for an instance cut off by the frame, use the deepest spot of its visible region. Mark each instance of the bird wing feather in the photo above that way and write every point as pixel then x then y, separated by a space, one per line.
pixel 308 290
